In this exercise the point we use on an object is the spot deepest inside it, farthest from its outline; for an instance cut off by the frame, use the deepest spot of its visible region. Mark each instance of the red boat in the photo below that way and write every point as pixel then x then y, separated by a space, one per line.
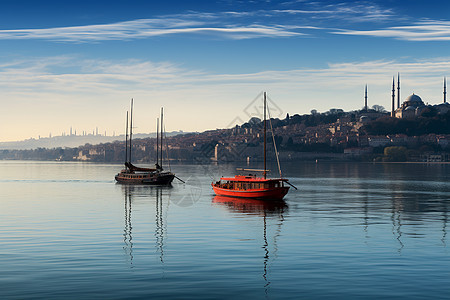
pixel 252 186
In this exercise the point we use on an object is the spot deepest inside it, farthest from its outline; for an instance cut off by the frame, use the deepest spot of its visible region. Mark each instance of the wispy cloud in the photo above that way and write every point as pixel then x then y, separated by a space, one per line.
pixel 148 75
pixel 354 12
pixel 229 24
pixel 106 79
pixel 427 30
pixel 314 17
pixel 145 28
pixel 92 92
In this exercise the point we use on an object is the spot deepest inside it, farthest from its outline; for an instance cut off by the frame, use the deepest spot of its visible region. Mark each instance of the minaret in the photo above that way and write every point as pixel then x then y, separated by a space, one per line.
pixel 445 90
pixel 365 99
pixel 393 97
pixel 398 90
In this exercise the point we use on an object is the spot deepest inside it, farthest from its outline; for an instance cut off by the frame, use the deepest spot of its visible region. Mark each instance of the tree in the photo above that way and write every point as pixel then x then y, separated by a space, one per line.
pixel 378 108
pixel 334 111
pixel 429 112
pixel 395 153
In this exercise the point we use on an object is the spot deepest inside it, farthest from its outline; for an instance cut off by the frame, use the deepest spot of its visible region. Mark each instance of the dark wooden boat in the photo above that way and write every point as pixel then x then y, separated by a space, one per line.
pixel 252 186
pixel 139 175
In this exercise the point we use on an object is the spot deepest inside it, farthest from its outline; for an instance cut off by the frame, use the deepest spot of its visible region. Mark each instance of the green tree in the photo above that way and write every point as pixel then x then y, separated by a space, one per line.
pixel 395 153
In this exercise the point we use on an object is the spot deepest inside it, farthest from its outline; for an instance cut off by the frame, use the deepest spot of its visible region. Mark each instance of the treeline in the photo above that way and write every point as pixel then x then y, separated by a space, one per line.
pixel 40 154
pixel 437 124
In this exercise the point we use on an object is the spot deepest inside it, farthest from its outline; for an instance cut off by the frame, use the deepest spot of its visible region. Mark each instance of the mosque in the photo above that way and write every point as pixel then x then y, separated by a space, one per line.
pixel 413 106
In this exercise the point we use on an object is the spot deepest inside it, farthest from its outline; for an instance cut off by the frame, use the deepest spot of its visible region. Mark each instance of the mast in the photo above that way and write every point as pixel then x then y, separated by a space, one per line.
pixel 131 126
pixel 265 129
pixel 157 141
pixel 126 140
pixel 161 136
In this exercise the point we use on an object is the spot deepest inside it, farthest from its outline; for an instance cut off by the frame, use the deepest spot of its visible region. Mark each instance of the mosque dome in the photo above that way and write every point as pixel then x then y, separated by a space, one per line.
pixel 414 100
pixel 410 108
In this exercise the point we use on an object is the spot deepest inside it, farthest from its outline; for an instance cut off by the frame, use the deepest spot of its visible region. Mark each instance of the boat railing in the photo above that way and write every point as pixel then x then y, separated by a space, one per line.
pixel 252 170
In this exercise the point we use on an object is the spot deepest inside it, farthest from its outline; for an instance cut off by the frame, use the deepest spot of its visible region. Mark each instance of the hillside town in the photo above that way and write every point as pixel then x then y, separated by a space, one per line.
pixel 333 135
pixel 412 131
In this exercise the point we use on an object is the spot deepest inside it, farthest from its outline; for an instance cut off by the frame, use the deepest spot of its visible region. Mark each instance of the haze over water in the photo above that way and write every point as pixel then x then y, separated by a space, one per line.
pixel 352 231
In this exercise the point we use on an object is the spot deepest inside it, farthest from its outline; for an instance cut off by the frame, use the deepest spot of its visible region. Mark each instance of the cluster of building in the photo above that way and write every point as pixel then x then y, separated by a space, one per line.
pixel 413 106
pixel 241 142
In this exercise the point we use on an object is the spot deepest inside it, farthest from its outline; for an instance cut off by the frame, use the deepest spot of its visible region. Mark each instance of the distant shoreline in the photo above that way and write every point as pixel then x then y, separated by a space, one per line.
pixel 413 162
pixel 176 162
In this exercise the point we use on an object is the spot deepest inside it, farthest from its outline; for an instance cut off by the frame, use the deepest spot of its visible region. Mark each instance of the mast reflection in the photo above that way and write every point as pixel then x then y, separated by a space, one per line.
pixel 140 195
pixel 264 209
pixel 127 236
pixel 444 226
pixel 159 231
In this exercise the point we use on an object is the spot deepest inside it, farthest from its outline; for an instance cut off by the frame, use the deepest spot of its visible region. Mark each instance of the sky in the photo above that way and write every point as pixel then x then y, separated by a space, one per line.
pixel 78 63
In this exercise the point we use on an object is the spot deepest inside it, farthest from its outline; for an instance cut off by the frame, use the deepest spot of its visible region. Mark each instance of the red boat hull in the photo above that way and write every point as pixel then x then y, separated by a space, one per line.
pixel 276 193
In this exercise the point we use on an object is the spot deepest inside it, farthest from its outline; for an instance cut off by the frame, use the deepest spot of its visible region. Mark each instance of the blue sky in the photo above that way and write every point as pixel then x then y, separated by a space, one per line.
pixel 78 63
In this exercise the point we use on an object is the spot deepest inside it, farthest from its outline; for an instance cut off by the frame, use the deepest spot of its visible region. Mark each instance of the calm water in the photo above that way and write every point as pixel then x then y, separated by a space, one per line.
pixel 352 231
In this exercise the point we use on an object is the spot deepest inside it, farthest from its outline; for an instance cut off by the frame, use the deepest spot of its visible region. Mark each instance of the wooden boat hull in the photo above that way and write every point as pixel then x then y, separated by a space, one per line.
pixel 149 179
pixel 276 193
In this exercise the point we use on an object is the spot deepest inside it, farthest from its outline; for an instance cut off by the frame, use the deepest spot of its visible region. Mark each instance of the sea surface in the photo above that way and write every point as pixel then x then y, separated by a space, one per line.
pixel 350 231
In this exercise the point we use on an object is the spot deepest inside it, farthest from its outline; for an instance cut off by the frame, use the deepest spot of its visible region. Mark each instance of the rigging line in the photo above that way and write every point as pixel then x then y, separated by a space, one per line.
pixel 274 144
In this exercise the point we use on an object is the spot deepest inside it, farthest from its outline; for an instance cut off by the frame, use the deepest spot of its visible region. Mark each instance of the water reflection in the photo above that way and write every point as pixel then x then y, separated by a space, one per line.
pixel 415 205
pixel 409 206
pixel 137 195
pixel 252 206
pixel 127 236
pixel 273 210
pixel 396 209
pixel 159 231
pixel 444 227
